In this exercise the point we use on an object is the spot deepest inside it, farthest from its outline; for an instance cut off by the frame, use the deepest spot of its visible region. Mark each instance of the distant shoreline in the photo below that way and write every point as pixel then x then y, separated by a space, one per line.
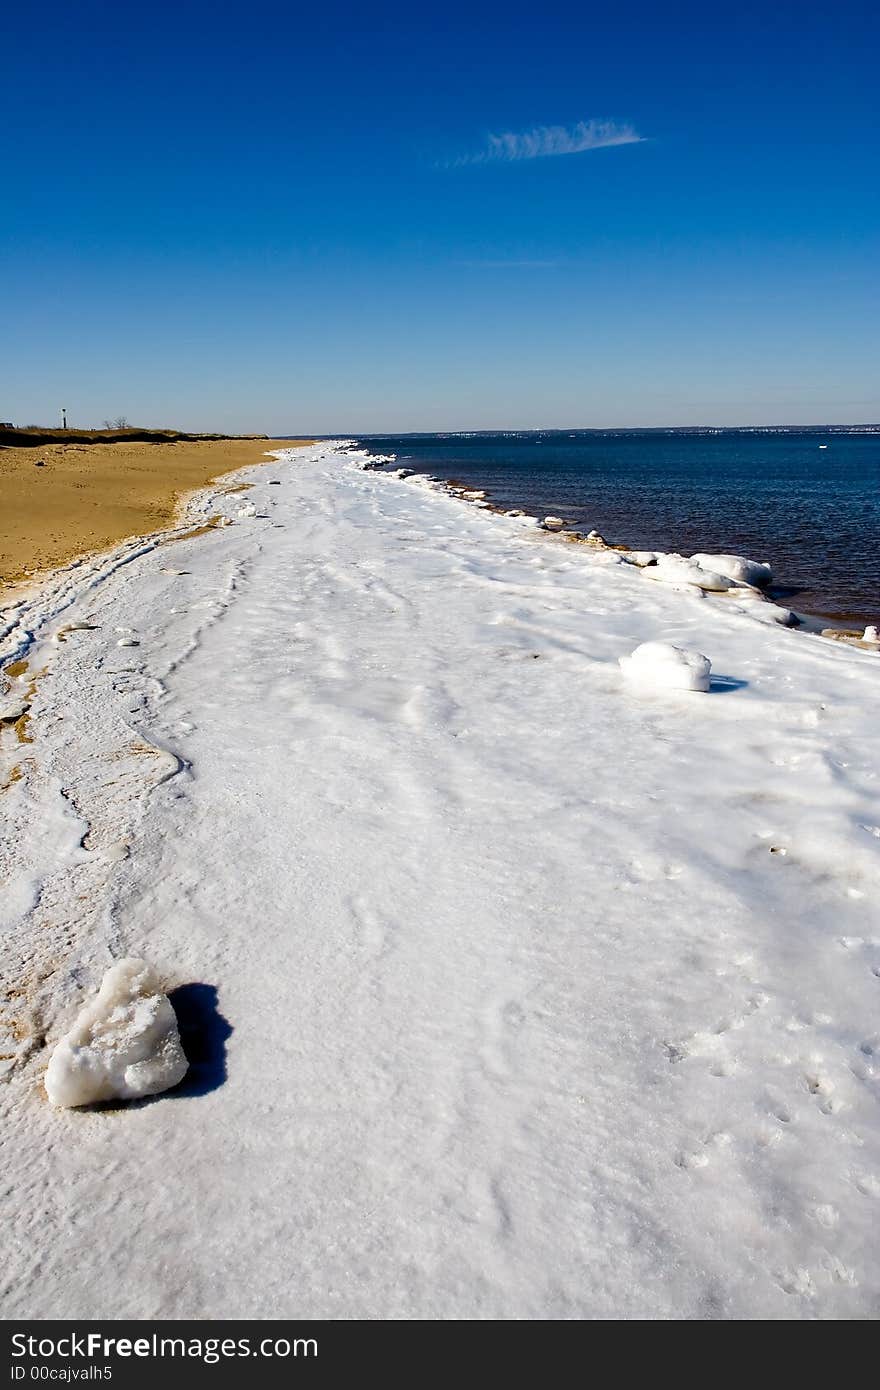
pixel 31 436
pixel 616 431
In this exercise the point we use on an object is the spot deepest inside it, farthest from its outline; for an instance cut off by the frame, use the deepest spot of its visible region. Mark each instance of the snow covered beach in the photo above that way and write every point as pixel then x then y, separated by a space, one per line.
pixel 513 990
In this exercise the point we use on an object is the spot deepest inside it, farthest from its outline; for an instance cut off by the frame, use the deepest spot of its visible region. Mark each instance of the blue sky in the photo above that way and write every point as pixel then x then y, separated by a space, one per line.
pixel 355 218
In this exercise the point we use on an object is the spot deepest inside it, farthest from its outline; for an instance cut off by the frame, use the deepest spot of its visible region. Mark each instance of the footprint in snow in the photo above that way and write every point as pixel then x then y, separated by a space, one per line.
pixel 502 1021
pixel 796 1281
pixel 700 1156
pixel 826 1215
pixel 822 1088
pixel 372 928
pixel 778 1109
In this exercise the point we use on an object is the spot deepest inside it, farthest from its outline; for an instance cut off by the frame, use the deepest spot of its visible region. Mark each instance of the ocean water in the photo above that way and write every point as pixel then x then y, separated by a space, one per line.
pixel 807 501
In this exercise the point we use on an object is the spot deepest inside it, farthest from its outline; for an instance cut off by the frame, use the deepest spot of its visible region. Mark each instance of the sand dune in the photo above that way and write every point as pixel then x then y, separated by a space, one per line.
pixel 58 501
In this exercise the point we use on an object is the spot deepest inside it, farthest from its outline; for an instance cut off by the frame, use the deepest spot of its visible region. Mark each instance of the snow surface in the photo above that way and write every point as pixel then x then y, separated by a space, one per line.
pixel 123 1045
pixel 664 667
pixel 508 990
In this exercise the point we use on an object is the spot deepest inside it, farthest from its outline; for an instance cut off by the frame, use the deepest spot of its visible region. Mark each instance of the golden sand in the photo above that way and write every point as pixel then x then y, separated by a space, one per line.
pixel 89 497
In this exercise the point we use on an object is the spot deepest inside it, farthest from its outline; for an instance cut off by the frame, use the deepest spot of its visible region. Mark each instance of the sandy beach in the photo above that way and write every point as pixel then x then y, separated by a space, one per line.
pixel 64 500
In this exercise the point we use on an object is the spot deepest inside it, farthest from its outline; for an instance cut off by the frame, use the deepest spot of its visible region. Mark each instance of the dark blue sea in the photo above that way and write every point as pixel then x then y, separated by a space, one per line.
pixel 807 501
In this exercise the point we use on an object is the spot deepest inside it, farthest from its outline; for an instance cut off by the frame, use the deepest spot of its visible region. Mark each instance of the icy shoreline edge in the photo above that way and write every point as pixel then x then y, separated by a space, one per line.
pixel 682 573
pixel 56 590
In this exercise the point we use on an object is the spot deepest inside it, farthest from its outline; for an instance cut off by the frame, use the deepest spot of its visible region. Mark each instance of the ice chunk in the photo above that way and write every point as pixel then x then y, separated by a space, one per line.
pixel 661 665
pixel 642 558
pixel 871 634
pixel 675 569
pixel 772 613
pixel 124 1043
pixel 552 523
pixel 11 712
pixel 248 509
pixel 737 567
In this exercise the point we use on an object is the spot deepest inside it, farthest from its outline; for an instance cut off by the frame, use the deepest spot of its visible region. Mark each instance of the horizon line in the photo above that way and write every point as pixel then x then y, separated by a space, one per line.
pixel 813 427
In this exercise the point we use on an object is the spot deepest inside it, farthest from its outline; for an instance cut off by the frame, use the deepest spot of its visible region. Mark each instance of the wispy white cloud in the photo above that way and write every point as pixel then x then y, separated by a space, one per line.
pixel 546 140
pixel 510 265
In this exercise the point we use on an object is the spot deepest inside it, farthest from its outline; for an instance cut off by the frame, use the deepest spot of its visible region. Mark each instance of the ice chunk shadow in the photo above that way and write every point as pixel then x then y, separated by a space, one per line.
pixel 718 685
pixel 779 593
pixel 204 1033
